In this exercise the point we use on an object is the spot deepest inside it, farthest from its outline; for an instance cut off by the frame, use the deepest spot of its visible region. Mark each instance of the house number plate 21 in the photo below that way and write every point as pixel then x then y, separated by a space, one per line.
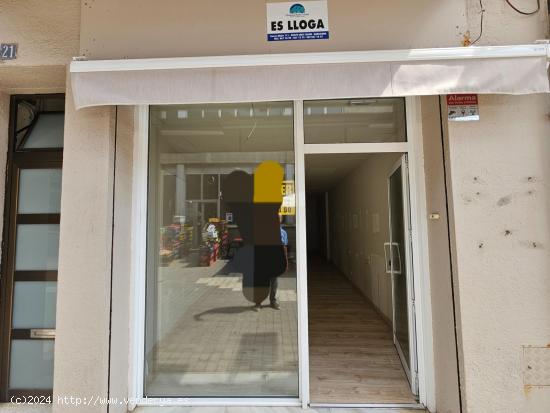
pixel 8 51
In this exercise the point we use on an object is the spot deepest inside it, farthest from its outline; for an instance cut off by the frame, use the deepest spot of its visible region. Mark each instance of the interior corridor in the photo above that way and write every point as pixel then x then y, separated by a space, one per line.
pixel 352 355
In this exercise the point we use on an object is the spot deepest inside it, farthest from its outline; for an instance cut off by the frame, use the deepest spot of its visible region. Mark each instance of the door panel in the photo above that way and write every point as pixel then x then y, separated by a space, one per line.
pixel 37 247
pixel 39 191
pixel 31 364
pixel 401 270
pixel 34 262
pixel 34 304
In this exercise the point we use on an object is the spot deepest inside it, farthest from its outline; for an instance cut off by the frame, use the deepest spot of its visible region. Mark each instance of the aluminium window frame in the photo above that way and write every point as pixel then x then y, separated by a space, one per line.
pixel 421 276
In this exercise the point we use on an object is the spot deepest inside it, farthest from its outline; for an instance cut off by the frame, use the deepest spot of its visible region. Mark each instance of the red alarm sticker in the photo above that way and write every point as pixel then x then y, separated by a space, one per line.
pixel 462 107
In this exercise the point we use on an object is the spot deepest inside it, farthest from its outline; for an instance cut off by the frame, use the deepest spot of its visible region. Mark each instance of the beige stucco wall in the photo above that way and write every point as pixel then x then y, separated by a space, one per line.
pixel 122 254
pixel 213 27
pixel 48 34
pixel 500 174
pixel 84 279
pixel 502 25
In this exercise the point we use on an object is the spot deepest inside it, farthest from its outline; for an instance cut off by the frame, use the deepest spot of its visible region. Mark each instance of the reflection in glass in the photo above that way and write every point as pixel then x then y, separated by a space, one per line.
pixel 355 120
pixel 47 132
pixel 34 304
pixel 37 247
pixel 40 123
pixel 206 335
pixel 31 364
pixel 39 191
pixel 399 247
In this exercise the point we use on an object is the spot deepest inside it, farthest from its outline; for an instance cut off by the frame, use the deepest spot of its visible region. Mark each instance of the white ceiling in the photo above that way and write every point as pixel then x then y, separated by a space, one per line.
pixel 256 127
pixel 324 171
pixel 209 130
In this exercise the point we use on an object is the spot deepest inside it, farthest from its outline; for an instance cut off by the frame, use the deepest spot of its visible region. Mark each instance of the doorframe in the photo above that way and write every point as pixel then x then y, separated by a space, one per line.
pixel 419 224
pixel 424 332
pixel 16 160
pixel 421 254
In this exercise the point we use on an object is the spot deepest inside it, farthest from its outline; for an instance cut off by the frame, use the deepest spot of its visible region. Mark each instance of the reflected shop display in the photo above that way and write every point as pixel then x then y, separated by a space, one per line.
pixel 221 306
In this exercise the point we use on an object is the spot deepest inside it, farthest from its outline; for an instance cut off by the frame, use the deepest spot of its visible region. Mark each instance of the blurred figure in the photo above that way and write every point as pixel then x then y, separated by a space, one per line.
pixel 255 201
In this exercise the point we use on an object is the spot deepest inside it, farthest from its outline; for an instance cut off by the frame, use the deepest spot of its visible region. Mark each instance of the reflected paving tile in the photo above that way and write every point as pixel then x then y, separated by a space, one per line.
pixel 234 283
pixel 212 341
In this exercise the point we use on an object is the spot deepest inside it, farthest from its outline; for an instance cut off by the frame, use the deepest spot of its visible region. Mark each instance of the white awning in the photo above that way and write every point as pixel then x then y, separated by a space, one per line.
pixel 254 78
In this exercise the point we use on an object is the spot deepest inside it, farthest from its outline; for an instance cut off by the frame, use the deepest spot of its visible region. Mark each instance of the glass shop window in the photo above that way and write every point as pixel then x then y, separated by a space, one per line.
pixel 355 121
pixel 221 311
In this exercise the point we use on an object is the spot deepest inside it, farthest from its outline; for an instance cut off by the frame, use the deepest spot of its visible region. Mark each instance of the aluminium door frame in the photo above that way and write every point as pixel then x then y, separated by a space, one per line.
pixel 411 369
pixel 419 234
pixel 413 147
pixel 47 158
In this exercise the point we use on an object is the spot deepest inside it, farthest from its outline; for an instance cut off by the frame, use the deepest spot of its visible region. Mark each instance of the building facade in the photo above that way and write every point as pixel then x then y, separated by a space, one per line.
pixel 121 124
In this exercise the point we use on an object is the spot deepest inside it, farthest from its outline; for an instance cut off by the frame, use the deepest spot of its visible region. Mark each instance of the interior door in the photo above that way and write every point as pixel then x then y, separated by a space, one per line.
pixel 400 267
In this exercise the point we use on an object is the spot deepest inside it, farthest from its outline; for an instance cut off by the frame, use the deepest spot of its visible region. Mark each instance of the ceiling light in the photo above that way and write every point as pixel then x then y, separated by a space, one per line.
pixel 192 132
pixel 381 126
pixel 366 109
pixel 363 101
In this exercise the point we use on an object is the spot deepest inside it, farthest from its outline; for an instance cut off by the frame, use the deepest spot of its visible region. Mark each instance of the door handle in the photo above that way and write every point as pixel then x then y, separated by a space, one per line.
pixel 42 333
pixel 387 257
pixel 389 248
pixel 397 265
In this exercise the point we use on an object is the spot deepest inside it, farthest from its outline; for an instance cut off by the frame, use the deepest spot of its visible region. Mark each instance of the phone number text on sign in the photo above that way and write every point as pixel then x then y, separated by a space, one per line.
pixel 307 20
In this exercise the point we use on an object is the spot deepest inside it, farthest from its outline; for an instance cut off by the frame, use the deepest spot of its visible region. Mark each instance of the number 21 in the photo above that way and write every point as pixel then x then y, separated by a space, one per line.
pixel 8 51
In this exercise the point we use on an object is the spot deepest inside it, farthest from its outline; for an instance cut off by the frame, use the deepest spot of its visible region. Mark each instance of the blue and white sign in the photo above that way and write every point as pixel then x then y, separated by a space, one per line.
pixel 306 20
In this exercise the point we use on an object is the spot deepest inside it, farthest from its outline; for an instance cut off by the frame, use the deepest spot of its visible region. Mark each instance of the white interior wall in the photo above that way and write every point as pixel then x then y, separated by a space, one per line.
pixel 359 226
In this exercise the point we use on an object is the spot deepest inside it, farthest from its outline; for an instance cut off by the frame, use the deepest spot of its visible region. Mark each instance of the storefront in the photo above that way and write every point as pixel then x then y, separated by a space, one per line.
pixel 193 140
pixel 204 346
pixel 273 219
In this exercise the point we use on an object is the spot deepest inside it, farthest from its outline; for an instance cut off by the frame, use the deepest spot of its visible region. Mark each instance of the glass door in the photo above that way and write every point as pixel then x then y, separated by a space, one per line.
pixel 400 268
pixel 30 254
pixel 35 277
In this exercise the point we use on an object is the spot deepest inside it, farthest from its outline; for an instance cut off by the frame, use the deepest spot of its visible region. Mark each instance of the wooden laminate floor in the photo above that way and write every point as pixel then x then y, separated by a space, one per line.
pixel 352 355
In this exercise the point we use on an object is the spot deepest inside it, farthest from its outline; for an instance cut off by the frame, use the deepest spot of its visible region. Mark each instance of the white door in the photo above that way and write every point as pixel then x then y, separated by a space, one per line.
pixel 399 265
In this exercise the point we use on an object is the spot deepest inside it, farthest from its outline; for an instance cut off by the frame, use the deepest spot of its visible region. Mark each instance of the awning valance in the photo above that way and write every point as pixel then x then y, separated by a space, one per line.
pixel 228 79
